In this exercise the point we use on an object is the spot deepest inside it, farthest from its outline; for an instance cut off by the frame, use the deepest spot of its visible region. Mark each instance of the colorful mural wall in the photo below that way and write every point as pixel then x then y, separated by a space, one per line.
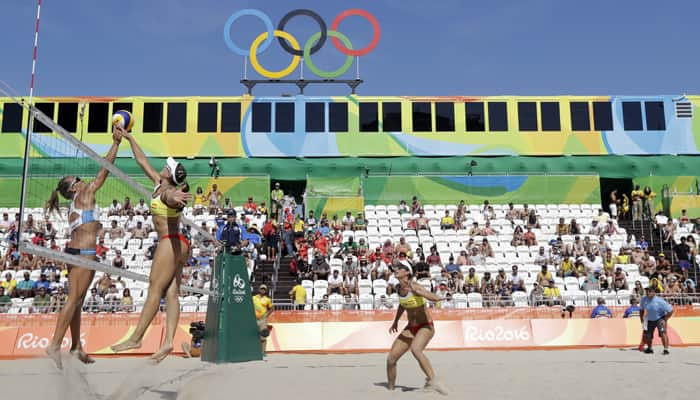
pixel 371 126
pixel 39 189
pixel 334 196
pixel 476 189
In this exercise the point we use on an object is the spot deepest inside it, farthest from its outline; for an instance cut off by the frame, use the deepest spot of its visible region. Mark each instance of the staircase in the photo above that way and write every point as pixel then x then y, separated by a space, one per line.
pixel 264 273
pixel 639 229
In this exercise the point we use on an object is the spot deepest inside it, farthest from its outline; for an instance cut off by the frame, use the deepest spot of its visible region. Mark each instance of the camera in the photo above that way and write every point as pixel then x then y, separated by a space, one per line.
pixel 197 332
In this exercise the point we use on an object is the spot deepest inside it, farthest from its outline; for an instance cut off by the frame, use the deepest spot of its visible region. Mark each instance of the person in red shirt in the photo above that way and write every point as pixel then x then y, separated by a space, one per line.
pixel 250 207
pixel 529 237
pixel 321 243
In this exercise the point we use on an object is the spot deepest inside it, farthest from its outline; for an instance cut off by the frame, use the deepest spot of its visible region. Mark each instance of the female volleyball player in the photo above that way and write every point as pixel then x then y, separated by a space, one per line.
pixel 167 202
pixel 418 332
pixel 84 222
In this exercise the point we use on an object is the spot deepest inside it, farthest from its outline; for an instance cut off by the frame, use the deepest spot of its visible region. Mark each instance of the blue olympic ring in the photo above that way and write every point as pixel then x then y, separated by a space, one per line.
pixel 254 13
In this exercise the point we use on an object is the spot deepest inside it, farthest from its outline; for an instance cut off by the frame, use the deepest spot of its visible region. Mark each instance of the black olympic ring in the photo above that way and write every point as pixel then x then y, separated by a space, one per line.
pixel 315 17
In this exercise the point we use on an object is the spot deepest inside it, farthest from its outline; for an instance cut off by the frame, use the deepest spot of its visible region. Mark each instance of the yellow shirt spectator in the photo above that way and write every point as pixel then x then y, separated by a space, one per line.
pixel 447 220
pixel 261 305
pixel 9 286
pixel 637 194
pixel 473 281
pixel 299 225
pixel 199 199
pixel 552 292
pixel 299 294
pixel 567 265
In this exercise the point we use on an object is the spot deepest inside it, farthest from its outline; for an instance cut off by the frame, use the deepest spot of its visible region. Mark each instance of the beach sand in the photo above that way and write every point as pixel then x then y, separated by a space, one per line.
pixel 522 375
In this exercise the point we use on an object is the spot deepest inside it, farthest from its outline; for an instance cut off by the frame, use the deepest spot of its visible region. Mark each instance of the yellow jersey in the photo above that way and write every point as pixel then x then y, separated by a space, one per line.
pixel 410 301
pixel 638 194
pixel 199 199
pixel 552 292
pixel 261 305
pixel 160 209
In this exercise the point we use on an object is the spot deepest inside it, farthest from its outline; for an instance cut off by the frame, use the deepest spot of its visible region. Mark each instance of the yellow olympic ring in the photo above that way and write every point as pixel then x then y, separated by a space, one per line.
pixel 274 74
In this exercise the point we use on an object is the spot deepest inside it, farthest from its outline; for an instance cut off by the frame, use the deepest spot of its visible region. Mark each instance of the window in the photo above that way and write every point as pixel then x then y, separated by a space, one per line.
pixel 580 118
pixel 12 118
pixel 122 106
pixel 444 117
pixel 177 117
pixel 262 117
pixel 369 117
pixel 632 115
pixel 68 116
pixel 498 116
pixel 98 118
pixel 206 117
pixel 284 117
pixel 231 117
pixel 153 117
pixel 46 108
pixel 549 113
pixel 315 117
pixel 338 117
pixel 391 117
pixel 422 117
pixel 602 116
pixel 527 116
pixel 474 116
pixel 656 119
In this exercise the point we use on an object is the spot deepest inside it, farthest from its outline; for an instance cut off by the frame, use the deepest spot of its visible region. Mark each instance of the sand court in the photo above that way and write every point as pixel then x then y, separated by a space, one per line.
pixel 570 374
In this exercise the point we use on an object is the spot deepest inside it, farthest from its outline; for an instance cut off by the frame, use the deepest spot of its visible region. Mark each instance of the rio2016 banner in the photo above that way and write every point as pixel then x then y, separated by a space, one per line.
pixel 291 45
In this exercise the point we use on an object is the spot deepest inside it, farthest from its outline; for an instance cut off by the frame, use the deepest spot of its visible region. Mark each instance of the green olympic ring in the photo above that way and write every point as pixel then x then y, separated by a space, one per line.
pixel 327 74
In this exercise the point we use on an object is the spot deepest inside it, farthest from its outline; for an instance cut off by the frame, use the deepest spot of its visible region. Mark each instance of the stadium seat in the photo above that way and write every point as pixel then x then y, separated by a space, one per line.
pixel 364 286
pixel 335 301
pixel 520 299
pixel 379 287
pixel 475 300
pixel 460 300
pixel 623 297
pixel 366 301
pixel 610 298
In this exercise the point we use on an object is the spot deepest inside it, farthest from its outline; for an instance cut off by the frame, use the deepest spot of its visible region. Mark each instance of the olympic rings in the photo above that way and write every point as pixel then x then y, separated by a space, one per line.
pixel 252 12
pixel 308 50
pixel 375 27
pixel 291 45
pixel 308 13
pixel 273 74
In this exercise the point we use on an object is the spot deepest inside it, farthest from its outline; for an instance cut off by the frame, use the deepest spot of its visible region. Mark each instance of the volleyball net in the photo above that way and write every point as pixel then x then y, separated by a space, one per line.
pixel 54 153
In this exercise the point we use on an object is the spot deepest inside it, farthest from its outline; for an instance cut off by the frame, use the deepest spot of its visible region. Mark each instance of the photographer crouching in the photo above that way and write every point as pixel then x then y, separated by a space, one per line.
pixel 263 308
pixel 194 348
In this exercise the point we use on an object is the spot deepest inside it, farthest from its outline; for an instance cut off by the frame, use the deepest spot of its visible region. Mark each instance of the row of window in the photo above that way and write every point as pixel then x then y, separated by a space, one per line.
pixel 489 116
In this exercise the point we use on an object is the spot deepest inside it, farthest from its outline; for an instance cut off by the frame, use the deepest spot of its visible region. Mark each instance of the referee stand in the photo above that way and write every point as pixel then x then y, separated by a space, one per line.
pixel 231 333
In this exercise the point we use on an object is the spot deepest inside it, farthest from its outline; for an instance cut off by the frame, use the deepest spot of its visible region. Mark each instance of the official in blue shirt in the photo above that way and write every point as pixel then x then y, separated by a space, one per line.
pixel 633 310
pixel 655 315
pixel 231 234
pixel 601 311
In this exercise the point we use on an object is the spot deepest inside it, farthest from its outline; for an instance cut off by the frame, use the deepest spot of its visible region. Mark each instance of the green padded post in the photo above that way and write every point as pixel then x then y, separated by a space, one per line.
pixel 231 330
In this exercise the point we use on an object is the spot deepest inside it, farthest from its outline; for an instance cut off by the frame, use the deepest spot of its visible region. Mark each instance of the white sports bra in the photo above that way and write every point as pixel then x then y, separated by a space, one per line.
pixel 84 216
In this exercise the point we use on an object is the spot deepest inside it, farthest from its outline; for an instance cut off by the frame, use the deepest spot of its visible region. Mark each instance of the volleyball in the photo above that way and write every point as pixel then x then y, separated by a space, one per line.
pixel 123 119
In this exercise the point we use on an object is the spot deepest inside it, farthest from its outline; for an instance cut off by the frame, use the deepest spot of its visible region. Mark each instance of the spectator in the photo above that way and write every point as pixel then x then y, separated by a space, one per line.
pixel 488 230
pixel 112 301
pixel 127 302
pixel 574 228
pixel 378 268
pixel 335 282
pixel 115 209
pixel 562 228
pixel 141 208
pixel 276 197
pixel 601 311
pixel 41 302
pixel 262 209
pixel 320 267
pixel 214 197
pixel 250 207
pixel 463 258
pixel 9 284
pixel 619 279
pixel 633 310
pixel 512 214
pixel 298 295
pixel 348 221
pixel 263 308
pixel 655 313
pixel 447 222
pixel 472 282
pixel 5 223
pixel 611 229
pixel 485 249
pixel 403 208
pixel 350 287
pixel 434 257
pixel 475 230
pixel 682 252
pixel 536 295
pixel 451 266
pixel 421 269
pixel 516 283
pixel 529 237
pixel 544 276
pixel 595 228
pixel 518 237
pixel 5 301
pixel 415 205
pixel 118 261
pixel 552 294
pixel 360 223
pixel 94 302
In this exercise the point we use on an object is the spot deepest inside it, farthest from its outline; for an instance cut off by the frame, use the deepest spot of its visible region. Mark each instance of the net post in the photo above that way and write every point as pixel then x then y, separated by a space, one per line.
pixel 231 333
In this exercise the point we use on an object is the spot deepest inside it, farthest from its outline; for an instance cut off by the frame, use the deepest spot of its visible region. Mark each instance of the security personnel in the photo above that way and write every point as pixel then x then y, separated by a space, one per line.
pixel 637 196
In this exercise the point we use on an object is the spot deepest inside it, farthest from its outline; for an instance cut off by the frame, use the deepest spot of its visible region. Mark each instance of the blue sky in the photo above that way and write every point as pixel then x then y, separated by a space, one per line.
pixel 438 47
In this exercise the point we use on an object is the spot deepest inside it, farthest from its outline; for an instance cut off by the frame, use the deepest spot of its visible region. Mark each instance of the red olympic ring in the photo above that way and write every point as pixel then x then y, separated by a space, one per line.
pixel 375 27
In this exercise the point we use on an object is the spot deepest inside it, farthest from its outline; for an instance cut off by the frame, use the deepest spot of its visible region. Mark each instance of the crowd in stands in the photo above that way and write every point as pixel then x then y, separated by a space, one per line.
pixel 488 255
pixel 127 240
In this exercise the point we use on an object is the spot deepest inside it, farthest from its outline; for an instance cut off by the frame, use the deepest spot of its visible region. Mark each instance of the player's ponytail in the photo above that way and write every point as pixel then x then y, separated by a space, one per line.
pixel 52 203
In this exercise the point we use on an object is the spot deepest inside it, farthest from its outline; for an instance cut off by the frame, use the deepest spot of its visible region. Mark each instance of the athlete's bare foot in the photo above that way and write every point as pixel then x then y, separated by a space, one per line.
pixel 124 346
pixel 161 354
pixel 390 387
pixel 81 355
pixel 433 385
pixel 54 353
pixel 186 348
